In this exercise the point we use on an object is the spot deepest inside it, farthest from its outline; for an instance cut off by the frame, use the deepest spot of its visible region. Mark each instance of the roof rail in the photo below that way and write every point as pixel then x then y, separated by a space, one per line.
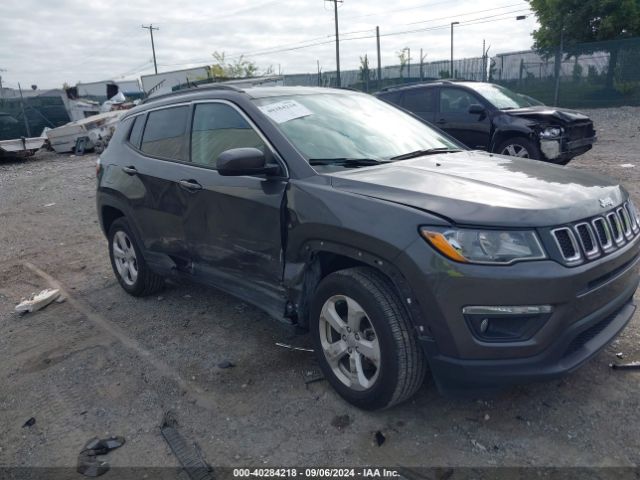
pixel 445 81
pixel 194 88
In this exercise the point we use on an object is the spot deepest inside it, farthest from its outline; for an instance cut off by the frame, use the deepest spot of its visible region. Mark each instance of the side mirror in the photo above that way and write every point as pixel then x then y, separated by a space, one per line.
pixel 244 161
pixel 476 109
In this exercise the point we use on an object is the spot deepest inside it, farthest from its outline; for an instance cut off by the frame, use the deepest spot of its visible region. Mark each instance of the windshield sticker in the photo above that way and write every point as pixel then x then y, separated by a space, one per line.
pixel 286 110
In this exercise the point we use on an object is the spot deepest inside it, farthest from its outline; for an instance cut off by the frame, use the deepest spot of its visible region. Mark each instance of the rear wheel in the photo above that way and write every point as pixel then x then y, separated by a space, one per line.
pixel 128 264
pixel 364 339
pixel 519 147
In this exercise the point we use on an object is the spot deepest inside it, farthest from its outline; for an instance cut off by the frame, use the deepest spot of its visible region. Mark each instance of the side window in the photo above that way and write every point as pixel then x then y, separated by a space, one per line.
pixel 455 100
pixel 391 97
pixel 419 100
pixel 218 127
pixel 164 134
pixel 136 131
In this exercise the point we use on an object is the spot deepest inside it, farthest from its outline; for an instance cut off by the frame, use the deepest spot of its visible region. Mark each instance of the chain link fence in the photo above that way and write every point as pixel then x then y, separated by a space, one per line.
pixel 588 75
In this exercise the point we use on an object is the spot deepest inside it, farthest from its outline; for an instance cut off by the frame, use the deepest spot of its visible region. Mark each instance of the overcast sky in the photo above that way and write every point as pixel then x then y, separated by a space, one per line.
pixel 49 42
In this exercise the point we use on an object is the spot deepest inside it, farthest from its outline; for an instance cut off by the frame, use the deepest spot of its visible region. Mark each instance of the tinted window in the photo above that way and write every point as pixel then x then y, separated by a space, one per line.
pixel 136 132
pixel 455 100
pixel 164 135
pixel 391 97
pixel 419 100
pixel 218 127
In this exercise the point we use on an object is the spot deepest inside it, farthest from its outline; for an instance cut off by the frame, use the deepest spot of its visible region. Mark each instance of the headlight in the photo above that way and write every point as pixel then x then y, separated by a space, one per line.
pixel 484 246
pixel 551 132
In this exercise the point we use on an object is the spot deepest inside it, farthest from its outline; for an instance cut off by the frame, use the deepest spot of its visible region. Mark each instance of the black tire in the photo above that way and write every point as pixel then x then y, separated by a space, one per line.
pixel 520 142
pixel 146 282
pixel 402 362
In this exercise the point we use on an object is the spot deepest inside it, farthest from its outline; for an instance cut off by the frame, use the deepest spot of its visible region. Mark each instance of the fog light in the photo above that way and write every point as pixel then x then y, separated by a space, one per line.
pixel 506 323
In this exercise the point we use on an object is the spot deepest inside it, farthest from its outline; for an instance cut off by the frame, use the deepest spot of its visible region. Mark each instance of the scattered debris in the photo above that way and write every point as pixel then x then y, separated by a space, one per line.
pixel 226 364
pixel 625 366
pixel 291 347
pixel 29 423
pixel 38 301
pixel 88 463
pixel 190 457
pixel 627 165
pixel 50 204
pixel 312 374
pixel 620 355
pixel 379 438
pixel 478 445
pixel 341 421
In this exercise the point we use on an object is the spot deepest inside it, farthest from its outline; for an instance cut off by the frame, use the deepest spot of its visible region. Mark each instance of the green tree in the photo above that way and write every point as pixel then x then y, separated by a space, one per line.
pixel 239 68
pixel 585 21
pixel 365 72
pixel 403 56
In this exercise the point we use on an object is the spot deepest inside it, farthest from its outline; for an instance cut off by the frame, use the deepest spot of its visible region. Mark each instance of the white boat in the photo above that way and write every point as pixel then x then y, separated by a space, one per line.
pixel 98 129
pixel 21 147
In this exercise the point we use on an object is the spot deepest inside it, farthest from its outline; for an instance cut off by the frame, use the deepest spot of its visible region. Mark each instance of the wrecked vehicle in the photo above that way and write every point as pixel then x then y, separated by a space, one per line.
pixel 489 117
pixel 395 246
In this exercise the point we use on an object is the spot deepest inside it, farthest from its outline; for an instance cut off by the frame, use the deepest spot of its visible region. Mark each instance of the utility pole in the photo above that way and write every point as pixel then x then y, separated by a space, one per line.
pixel 379 60
pixel 451 72
pixel 335 14
pixel 422 57
pixel 151 28
pixel 484 67
pixel 24 114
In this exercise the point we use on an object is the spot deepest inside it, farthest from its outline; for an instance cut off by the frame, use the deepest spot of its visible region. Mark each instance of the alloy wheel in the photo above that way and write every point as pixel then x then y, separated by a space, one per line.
pixel 515 150
pixel 349 342
pixel 125 259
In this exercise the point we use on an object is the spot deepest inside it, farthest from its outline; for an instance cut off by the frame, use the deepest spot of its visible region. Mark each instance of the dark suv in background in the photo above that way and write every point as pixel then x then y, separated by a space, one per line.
pixel 397 248
pixel 490 117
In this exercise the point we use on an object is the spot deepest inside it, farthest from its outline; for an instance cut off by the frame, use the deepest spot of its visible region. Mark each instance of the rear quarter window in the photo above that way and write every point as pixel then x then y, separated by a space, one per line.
pixel 165 133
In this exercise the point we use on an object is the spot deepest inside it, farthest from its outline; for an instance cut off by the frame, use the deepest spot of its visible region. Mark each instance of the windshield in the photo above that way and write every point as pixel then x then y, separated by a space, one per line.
pixel 503 98
pixel 346 125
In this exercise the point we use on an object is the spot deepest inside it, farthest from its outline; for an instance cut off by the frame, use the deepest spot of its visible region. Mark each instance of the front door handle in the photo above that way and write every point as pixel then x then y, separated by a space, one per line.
pixel 190 185
pixel 442 121
pixel 130 170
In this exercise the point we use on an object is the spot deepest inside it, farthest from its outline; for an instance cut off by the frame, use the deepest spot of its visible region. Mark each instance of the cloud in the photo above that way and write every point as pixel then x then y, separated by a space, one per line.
pixel 48 43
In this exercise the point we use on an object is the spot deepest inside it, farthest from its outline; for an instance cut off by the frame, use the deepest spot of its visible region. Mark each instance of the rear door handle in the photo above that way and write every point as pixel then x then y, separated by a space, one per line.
pixel 130 170
pixel 190 185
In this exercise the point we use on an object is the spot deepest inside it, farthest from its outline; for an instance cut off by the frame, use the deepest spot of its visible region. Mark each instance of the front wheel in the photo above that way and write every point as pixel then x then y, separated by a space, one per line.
pixel 364 339
pixel 519 147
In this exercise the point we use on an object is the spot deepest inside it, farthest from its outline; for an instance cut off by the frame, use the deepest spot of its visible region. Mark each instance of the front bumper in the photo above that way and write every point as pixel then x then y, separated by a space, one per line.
pixel 564 149
pixel 578 343
pixel 591 304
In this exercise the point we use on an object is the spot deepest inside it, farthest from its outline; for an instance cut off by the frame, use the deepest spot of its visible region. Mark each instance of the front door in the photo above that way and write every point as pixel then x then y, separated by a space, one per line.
pixel 233 224
pixel 472 129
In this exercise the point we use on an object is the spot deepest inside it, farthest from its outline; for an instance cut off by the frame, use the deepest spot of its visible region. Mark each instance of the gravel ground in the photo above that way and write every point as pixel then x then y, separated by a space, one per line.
pixel 104 363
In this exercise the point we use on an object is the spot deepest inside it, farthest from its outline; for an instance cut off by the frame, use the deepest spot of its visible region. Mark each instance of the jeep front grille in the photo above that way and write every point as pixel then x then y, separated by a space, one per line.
pixel 589 239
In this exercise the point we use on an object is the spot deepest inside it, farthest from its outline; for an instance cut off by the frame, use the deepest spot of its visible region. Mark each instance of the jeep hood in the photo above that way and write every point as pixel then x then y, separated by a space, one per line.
pixel 542 113
pixel 477 188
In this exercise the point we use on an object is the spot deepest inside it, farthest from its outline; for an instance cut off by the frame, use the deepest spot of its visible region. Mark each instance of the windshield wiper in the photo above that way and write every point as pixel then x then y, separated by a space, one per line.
pixel 347 162
pixel 421 153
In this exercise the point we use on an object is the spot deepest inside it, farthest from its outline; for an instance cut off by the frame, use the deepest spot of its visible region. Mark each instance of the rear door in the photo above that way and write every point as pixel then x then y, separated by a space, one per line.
pixel 233 224
pixel 421 101
pixel 453 117
pixel 158 202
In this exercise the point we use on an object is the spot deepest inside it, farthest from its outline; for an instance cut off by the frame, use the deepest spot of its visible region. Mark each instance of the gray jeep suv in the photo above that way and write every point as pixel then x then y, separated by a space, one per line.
pixel 397 248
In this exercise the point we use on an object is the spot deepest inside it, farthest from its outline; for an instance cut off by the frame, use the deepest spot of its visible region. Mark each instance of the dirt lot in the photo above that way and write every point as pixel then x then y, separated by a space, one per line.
pixel 104 363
